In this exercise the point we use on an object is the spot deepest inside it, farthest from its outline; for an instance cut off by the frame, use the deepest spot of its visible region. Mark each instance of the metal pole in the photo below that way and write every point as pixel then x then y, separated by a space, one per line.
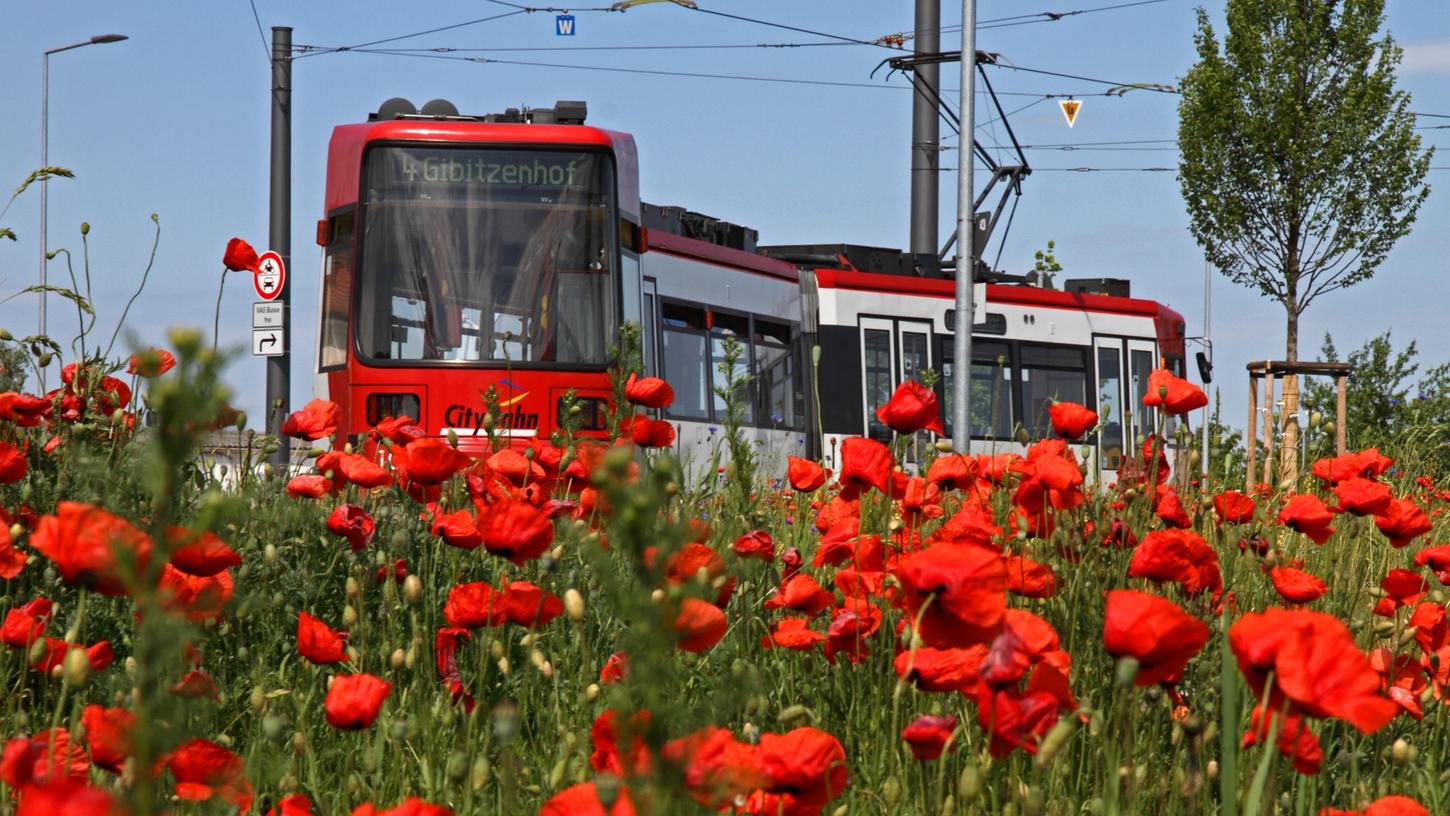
pixel 279 236
pixel 44 183
pixel 966 260
pixel 926 139
pixel 1207 296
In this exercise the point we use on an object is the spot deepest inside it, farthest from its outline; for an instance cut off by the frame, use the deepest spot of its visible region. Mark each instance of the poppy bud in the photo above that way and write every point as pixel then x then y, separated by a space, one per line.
pixel 257 699
pixel 288 783
pixel 1400 751
pixel 349 617
pixel 452 438
pixel 299 742
pixel 76 667
pixel 891 792
pixel 478 775
pixel 272 727
pixel 556 776
pixel 1055 739
pixel 397 659
pixel 413 589
pixel 351 588
pixel 16 530
pixel 574 604
pixel 6 336
pixel 794 712
pixel 269 553
pixel 591 693
pixel 45 359
pixel 1127 671
pixel 410 657
pixel 457 767
pixel 503 665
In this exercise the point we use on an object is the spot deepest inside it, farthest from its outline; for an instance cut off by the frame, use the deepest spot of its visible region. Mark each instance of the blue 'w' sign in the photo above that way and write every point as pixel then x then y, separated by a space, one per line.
pixel 564 25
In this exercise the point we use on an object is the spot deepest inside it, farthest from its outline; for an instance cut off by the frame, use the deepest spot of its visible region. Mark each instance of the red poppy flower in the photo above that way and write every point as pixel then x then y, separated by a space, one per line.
pixel 295 805
pixel 648 392
pixel 194 685
pixel 12 561
pixel 13 464
pixel 1170 509
pixel 458 529
pixel 152 362
pixel 1402 588
pixel 1396 806
pixel 927 736
pixel 1234 507
pixel 240 256
pixel 614 669
pixel 46 758
pixel 99 655
pixel 1049 481
pixel 198 599
pixel 1363 497
pixel 605 735
pixel 755 544
pixel 84 541
pixel 310 486
pixel 1436 558
pixel 912 408
pixel 1315 665
pixel 25 410
pixel 201 554
pixel 472 605
pixel 942 669
pixel 1403 522
pixel 25 624
pixel 1296 741
pixel 953 471
pixel 1015 719
pixel 205 770
pixel 413 806
pixel 316 420
pixel 805 762
pixel 865 463
pixel 792 633
pixel 318 642
pixel 803 474
pixel 1177 556
pixel 1175 394
pixel 1029 579
pixel 353 700
pixel 524 604
pixel 429 461
pixel 65 798
pixel 1070 420
pixel 583 800
pixel 963 591
pixel 1156 632
pixel 354 468
pixel 1305 513
pixel 516 530
pixel 699 625
pixel 1368 463
pixel 694 560
pixel 850 631
pixel 108 735
pixel 1297 586
pixel 801 593
pixel 651 433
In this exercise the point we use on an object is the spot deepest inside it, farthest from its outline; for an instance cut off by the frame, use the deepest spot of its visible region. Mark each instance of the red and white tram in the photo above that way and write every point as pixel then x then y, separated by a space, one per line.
pixel 463 253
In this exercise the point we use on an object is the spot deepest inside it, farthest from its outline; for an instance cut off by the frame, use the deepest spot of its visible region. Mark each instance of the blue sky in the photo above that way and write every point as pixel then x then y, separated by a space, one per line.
pixel 175 121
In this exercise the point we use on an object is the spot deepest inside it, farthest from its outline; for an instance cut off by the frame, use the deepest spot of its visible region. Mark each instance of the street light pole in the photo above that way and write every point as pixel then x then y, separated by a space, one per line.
pixel 966 260
pixel 100 39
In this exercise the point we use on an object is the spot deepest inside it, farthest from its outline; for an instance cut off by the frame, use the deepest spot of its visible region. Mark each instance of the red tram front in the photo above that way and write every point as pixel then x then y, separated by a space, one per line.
pixel 469 253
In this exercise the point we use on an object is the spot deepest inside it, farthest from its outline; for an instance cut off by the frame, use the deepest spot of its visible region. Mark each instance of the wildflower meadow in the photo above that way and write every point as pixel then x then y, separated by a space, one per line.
pixel 589 626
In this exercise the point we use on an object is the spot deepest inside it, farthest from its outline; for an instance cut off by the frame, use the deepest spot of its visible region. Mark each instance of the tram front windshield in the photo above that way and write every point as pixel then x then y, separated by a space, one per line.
pixel 485 255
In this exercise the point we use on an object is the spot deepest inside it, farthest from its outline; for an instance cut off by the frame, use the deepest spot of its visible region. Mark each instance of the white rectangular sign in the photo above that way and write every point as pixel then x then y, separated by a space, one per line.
pixel 266 315
pixel 268 342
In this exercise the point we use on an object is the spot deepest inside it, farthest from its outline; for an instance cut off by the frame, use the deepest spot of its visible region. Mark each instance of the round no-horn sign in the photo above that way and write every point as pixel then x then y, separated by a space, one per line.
pixel 270 277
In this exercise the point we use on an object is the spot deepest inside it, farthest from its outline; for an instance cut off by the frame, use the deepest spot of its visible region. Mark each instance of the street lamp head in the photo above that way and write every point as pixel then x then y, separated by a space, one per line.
pixel 100 39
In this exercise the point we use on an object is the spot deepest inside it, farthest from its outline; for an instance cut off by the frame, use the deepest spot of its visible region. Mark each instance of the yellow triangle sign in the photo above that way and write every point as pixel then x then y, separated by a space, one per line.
pixel 1070 107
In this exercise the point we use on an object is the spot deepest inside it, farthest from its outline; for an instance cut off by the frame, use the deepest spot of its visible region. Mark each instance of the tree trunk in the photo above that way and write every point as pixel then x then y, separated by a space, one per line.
pixel 1289 450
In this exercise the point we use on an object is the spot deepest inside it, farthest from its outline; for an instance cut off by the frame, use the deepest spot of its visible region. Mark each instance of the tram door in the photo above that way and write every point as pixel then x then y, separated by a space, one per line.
pixel 1115 431
pixel 892 351
pixel 1142 359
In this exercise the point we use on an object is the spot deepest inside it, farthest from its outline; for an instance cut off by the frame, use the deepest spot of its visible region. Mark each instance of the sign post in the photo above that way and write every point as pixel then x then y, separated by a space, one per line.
pixel 279 362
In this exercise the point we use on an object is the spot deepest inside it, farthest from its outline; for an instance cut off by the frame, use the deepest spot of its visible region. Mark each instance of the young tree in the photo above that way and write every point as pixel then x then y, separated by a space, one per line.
pixel 1300 165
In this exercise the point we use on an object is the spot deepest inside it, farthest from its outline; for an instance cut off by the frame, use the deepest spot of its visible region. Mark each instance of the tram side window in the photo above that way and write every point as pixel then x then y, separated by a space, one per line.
pixel 1143 418
pixel 682 340
pixel 991 389
pixel 1048 374
pixel 336 292
pixel 725 325
pixel 775 391
pixel 876 344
